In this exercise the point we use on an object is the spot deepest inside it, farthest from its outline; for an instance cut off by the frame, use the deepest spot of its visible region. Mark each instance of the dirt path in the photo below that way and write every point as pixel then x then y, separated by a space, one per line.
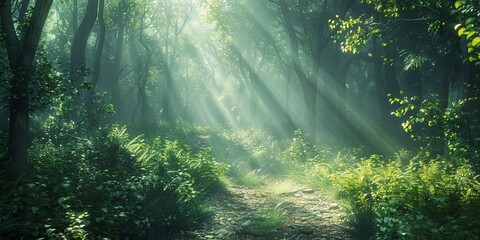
pixel 284 210
pixel 280 208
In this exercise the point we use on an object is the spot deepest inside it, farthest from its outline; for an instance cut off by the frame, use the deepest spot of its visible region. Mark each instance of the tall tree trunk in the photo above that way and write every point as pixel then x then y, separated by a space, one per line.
pixel 23 11
pixel 96 66
pixel 142 82
pixel 100 43
pixel 21 53
pixel 169 90
pixel 309 86
pixel 79 45
pixel 123 13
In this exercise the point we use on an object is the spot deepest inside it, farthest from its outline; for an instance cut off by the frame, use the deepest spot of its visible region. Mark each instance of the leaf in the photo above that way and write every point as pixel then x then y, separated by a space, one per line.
pixel 461 31
pixel 50 232
pixel 470 35
pixel 34 209
pixel 61 200
pixel 469 20
pixel 476 41
pixel 458 26
pixel 458 4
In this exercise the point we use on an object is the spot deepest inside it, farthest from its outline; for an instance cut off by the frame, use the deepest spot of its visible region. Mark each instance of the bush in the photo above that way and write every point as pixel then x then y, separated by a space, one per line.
pixel 423 200
pixel 255 148
pixel 107 186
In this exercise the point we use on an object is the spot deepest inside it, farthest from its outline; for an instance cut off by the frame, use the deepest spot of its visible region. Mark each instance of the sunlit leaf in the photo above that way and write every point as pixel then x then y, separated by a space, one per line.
pixel 458 4
pixel 471 34
pixel 476 41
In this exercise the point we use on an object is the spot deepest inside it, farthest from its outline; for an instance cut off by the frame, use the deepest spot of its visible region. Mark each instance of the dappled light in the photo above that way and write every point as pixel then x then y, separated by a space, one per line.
pixel 239 119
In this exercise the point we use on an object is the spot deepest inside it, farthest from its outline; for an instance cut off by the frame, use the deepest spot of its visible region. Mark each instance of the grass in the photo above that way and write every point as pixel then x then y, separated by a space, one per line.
pixel 272 218
pixel 361 223
pixel 280 186
pixel 249 179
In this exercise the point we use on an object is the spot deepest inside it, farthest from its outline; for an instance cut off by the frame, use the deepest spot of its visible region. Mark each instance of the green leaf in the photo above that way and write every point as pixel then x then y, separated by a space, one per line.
pixel 61 200
pixel 469 20
pixel 476 41
pixel 34 209
pixel 470 35
pixel 461 31
pixel 50 232
pixel 458 4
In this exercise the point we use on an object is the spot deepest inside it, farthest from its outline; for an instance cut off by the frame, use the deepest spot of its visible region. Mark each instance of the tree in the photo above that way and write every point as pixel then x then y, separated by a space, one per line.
pixel 79 45
pixel 97 66
pixel 119 21
pixel 21 44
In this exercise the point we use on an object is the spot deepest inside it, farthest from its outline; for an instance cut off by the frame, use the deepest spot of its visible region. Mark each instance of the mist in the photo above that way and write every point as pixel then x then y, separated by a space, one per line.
pixel 239 119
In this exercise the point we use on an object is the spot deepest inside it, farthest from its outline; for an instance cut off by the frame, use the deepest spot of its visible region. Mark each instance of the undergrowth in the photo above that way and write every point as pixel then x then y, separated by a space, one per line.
pixel 434 199
pixel 115 186
pixel 108 186
pixel 404 196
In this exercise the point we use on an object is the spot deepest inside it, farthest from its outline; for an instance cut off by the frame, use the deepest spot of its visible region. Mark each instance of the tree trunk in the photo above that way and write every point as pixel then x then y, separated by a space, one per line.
pixel 21 53
pixel 91 118
pixel 123 13
pixel 142 82
pixel 309 86
pixel 79 45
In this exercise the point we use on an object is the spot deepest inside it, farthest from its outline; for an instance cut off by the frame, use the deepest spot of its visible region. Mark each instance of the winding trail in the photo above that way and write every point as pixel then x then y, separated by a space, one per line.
pixel 280 208
pixel 287 211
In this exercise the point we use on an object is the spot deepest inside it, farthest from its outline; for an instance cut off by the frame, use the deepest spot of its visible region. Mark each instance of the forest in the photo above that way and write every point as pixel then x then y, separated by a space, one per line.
pixel 240 119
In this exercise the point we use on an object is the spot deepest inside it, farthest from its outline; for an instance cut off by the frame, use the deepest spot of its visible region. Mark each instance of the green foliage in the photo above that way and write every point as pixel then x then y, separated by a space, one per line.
pixel 299 149
pixel 361 222
pixel 179 130
pixel 46 84
pixel 353 32
pixel 201 168
pixel 246 177
pixel 108 186
pixel 316 165
pixel 273 217
pixel 469 27
pixel 422 200
pixel 435 128
pixel 255 147
pixel 413 61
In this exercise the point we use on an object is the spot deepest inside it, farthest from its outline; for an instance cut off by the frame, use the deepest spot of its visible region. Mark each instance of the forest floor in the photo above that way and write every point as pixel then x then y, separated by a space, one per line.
pixel 273 208
pixel 279 209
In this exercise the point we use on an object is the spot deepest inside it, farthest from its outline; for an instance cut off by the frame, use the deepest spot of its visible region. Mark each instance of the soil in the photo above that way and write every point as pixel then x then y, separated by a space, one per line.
pixel 239 213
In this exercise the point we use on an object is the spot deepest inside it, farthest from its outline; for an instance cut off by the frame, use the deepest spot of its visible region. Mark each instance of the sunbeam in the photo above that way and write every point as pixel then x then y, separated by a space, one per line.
pixel 239 119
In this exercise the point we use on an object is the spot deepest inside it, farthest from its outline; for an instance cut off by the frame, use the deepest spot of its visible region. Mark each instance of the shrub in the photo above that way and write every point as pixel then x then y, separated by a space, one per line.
pixel 108 186
pixel 423 200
